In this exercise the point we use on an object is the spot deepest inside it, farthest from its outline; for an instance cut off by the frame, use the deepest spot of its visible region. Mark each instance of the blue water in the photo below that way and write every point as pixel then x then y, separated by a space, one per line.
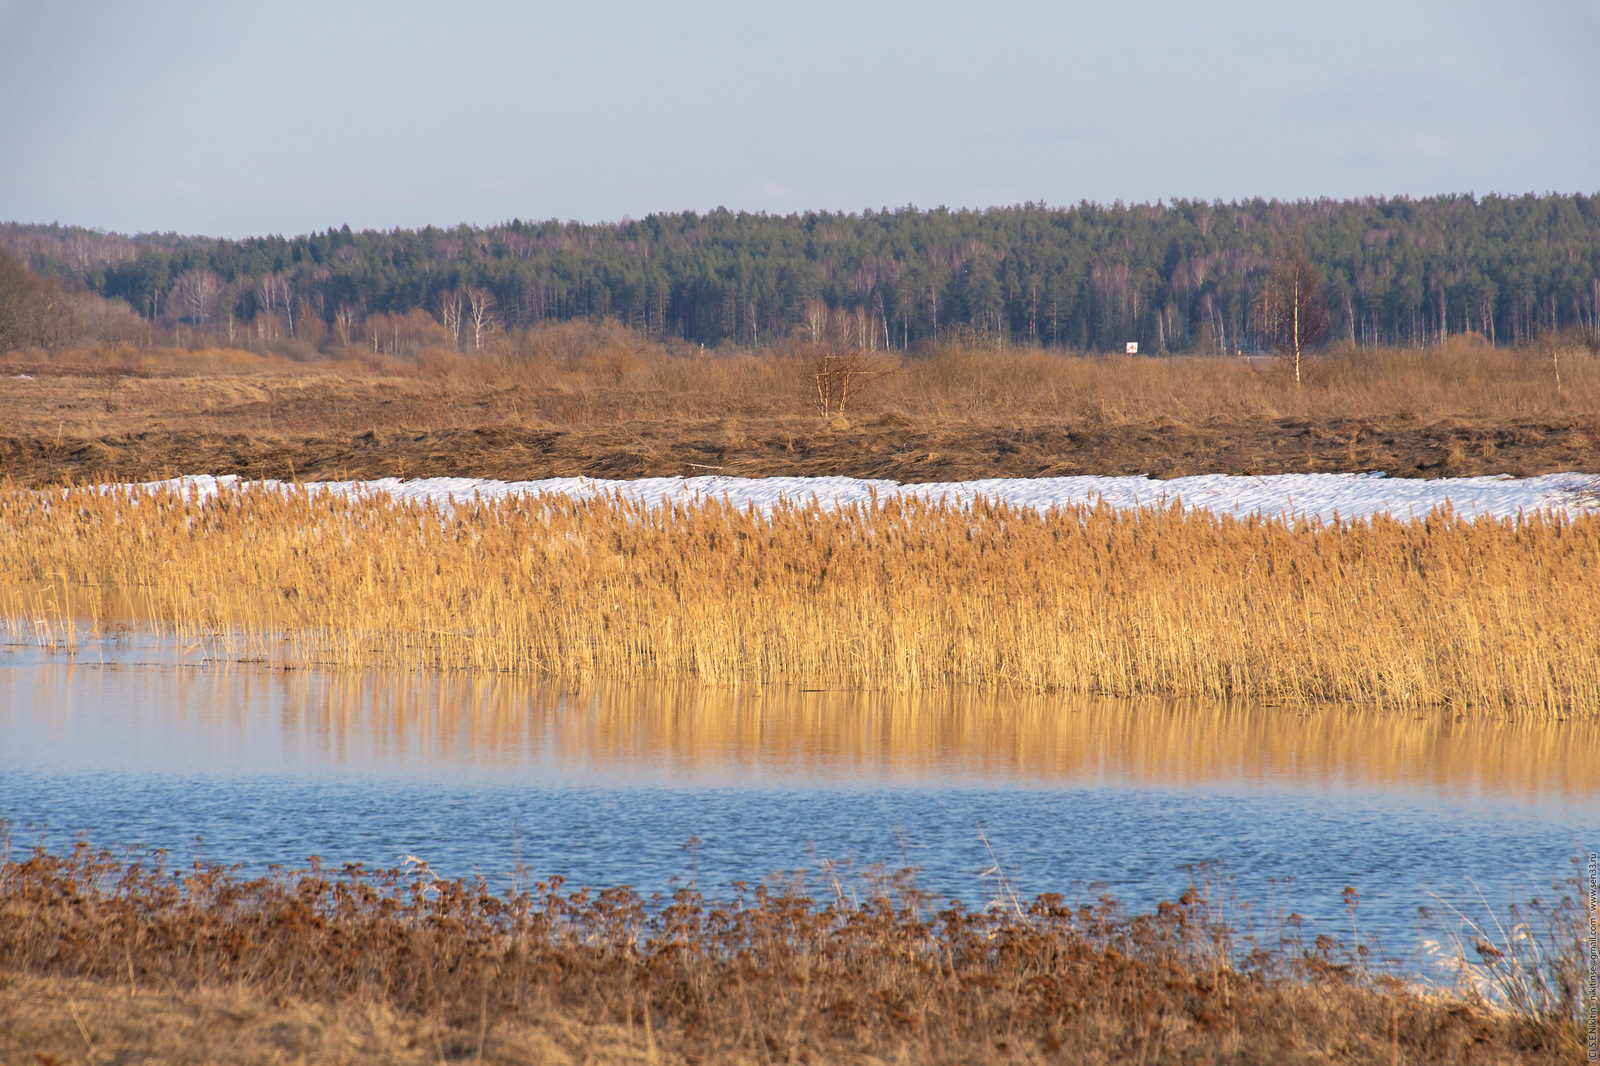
pixel 245 766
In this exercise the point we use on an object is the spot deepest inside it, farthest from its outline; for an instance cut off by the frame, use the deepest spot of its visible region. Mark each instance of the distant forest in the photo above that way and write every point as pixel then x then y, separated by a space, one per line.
pixel 1175 277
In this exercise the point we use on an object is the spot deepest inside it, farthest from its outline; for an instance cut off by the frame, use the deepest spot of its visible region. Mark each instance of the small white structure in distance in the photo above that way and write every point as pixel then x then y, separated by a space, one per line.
pixel 1133 347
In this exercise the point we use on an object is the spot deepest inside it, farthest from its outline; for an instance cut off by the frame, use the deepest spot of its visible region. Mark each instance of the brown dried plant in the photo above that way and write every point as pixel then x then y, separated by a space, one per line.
pixel 769 975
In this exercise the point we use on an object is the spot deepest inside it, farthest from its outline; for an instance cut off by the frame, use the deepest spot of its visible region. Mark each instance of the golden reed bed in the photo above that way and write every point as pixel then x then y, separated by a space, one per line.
pixel 900 595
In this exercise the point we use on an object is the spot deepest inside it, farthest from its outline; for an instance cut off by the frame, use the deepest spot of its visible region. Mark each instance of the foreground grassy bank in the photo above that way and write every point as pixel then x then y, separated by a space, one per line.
pixel 102 958
pixel 899 595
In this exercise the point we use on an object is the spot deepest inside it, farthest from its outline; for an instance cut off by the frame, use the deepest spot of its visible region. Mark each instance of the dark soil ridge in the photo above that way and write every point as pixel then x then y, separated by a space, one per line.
pixel 892 448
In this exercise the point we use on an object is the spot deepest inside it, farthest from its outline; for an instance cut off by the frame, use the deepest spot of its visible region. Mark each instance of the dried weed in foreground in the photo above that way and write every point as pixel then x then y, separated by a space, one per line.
pixel 897 595
pixel 123 960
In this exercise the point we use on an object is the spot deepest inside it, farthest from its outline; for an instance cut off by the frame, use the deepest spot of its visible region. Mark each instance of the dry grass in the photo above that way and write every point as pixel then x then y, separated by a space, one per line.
pixel 601 400
pixel 579 375
pixel 103 958
pixel 903 595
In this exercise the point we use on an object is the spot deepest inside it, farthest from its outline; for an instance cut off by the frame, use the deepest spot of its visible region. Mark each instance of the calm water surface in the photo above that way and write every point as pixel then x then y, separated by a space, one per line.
pixel 656 787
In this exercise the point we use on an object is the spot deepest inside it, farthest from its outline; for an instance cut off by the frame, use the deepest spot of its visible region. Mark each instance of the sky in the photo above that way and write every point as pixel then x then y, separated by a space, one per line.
pixel 233 119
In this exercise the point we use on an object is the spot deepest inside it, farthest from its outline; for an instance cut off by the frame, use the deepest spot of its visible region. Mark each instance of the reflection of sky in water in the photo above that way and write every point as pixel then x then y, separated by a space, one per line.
pixel 607 786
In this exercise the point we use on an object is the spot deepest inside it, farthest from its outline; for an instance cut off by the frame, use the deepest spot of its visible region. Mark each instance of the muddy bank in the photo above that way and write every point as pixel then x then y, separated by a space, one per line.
pixel 898 448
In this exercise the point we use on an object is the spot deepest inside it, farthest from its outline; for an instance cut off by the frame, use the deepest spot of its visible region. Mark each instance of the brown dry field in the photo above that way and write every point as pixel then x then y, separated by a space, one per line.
pixel 606 402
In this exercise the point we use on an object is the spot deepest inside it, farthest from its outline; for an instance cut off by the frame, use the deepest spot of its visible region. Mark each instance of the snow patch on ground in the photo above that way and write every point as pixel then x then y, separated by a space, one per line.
pixel 1283 496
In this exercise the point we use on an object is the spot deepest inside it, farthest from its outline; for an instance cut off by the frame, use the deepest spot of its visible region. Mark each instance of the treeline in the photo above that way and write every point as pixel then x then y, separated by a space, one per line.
pixel 1184 276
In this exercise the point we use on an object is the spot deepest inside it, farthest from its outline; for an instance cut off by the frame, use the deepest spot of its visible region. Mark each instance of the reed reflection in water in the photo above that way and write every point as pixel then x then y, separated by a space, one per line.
pixel 178 718
pixel 481 773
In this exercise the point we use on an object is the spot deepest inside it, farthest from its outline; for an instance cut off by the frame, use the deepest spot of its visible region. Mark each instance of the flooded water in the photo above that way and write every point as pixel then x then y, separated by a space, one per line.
pixel 140 746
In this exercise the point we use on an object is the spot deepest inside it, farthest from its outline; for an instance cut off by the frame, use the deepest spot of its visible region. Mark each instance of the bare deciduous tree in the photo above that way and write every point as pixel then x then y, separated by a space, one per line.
pixel 35 312
pixel 57 323
pixel 843 354
pixel 196 292
pixel 480 303
pixel 275 294
pixel 816 320
pixel 265 320
pixel 344 323
pixel 21 297
pixel 839 373
pixel 450 316
pixel 1294 317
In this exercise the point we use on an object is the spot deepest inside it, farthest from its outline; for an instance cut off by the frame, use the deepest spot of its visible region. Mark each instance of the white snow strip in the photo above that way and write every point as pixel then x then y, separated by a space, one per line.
pixel 1284 496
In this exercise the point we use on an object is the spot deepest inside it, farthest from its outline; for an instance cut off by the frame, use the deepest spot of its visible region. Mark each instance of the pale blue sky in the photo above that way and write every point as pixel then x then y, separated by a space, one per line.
pixel 234 119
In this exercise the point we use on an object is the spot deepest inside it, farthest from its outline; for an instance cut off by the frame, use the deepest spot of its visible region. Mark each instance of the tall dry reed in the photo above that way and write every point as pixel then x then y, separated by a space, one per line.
pixel 901 594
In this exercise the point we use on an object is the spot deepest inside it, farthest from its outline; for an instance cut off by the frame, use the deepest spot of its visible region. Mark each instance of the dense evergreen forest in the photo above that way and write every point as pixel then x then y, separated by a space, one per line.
pixel 1180 276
